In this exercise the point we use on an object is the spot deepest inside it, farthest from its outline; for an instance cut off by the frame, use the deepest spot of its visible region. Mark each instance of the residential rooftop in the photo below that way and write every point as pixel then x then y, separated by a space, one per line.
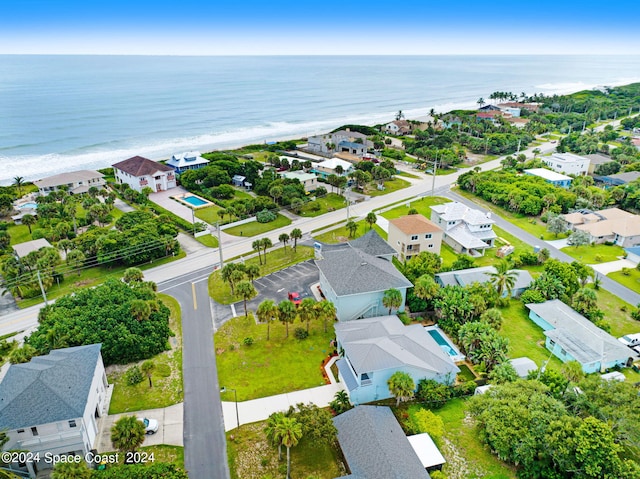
pixel 139 166
pixel 548 175
pixel 415 224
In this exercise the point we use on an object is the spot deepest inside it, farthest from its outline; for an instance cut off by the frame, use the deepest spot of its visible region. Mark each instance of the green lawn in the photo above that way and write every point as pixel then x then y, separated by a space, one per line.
pixel 270 367
pixel 389 187
pixel 251 457
pixel 254 228
pixel 209 214
pixel 208 240
pixel 329 202
pixel 423 205
pixel 277 259
pixel 467 457
pixel 408 175
pixel 162 453
pixel 631 281
pixel 617 311
pixel 241 194
pixel 341 234
pixel 594 253
pixel 167 377
pixel 19 233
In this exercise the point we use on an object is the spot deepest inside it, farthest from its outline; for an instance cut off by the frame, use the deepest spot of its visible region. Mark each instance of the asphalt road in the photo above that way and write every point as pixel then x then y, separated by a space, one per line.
pixel 205 448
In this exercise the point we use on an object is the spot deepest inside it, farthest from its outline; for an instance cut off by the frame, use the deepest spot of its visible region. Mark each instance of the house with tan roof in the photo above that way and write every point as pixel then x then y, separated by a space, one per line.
pixel 75 182
pixel 139 172
pixel 411 234
pixel 609 225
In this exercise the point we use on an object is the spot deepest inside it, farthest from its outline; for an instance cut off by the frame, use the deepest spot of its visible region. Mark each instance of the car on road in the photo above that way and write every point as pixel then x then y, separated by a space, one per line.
pixel 150 425
pixel 295 298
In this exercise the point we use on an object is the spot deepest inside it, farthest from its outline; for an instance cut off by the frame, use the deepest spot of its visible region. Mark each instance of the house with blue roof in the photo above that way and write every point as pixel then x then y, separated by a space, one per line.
pixel 572 337
pixel 373 349
pixel 189 160
pixel 50 404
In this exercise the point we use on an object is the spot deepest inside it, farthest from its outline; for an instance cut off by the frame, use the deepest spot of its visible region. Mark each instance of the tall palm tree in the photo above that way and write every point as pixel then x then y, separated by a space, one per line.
pixel 257 246
pixel 296 234
pixel 284 239
pixel 252 271
pixel 307 310
pixel 290 432
pixel 266 243
pixel 246 291
pixel 273 432
pixel 147 369
pixel 480 102
pixel 267 311
pixel 327 311
pixel 29 220
pixel 503 279
pixel 371 219
pixel 392 299
pixel 286 313
pixel 18 182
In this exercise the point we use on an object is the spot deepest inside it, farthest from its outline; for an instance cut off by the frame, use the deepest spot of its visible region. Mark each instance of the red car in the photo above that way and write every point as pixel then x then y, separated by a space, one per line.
pixel 295 298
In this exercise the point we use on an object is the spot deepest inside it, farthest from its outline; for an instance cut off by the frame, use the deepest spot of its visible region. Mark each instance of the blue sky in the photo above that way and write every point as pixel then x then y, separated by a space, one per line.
pixel 191 27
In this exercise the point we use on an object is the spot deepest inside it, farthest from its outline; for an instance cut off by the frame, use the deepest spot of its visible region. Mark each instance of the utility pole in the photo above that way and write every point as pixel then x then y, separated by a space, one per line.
pixel 44 295
pixel 193 222
pixel 348 198
pixel 433 181
pixel 219 244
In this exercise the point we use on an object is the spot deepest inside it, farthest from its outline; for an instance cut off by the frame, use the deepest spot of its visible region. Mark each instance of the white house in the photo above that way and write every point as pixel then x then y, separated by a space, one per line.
pixel 76 182
pixel 139 172
pixel 189 160
pixel 341 140
pixel 398 127
pixel 466 230
pixel 330 167
pixel 308 180
pixel 50 404
pixel 567 163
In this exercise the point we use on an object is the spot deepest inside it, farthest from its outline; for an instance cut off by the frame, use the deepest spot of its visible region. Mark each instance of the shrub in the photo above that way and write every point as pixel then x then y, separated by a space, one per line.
pixel 626 271
pixel 248 341
pixel 313 206
pixel 433 393
pixel 301 333
pixel 134 376
pixel 163 370
pixel 598 258
pixel 265 216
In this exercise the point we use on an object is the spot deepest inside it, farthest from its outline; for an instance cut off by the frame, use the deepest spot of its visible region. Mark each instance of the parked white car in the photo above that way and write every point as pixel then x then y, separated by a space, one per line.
pixel 150 425
pixel 630 340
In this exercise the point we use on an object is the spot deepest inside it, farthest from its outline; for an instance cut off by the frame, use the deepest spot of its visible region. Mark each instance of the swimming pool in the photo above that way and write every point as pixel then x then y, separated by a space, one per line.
pixel 445 343
pixel 194 200
pixel 28 206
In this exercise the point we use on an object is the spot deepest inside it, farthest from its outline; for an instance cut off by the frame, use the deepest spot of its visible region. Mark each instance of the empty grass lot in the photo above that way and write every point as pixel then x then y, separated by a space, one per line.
pixel 254 228
pixel 341 234
pixel 630 280
pixel 389 187
pixel 423 206
pixel 329 202
pixel 594 253
pixel 270 367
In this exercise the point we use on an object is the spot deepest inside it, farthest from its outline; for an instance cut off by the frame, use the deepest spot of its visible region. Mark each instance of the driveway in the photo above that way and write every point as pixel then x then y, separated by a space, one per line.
pixel 169 427
pixel 163 198
pixel 612 266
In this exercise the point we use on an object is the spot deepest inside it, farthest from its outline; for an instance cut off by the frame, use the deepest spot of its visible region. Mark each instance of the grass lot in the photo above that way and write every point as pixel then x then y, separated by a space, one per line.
pixel 251 457
pixel 467 457
pixel 616 311
pixel 167 377
pixel 19 233
pixel 241 194
pixel 587 253
pixel 208 240
pixel 209 214
pixel 389 187
pixel 423 205
pixel 329 202
pixel 254 228
pixel 277 259
pixel 408 175
pixel 162 453
pixel 91 277
pixel 632 281
pixel 269 367
pixel 341 234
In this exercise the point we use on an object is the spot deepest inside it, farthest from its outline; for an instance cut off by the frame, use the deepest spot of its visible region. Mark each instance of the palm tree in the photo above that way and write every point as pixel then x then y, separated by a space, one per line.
pixel 276 193
pixel 29 220
pixel 132 275
pixel 18 182
pixel 252 271
pixel 284 239
pixel 127 434
pixel 266 243
pixel 147 369
pixel 267 311
pixel 371 219
pixel 402 386
pixel 296 234
pixel 273 433
pixel 392 299
pixel 68 470
pixel 307 310
pixel 480 102
pixel 246 291
pixel 339 170
pixel 503 279
pixel 257 246
pixel 426 288
pixel 286 313
pixel 140 308
pixel 290 431
pixel 342 398
pixel 352 227
pixel 327 311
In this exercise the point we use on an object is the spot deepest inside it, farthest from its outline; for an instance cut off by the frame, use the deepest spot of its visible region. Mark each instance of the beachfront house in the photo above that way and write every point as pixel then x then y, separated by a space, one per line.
pixel 75 182
pixel 51 403
pixel 373 349
pixel 189 160
pixel 572 337
pixel 374 445
pixel 139 172
pixel 398 127
pixel 611 225
pixel 333 166
pixel 466 230
pixel 411 234
pixel 308 180
pixel 355 275
pixel 567 163
pixel 556 179
pixel 339 141
pixel 482 275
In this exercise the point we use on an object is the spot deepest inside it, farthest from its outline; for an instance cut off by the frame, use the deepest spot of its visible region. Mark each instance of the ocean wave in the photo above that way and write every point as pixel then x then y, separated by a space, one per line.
pixel 565 88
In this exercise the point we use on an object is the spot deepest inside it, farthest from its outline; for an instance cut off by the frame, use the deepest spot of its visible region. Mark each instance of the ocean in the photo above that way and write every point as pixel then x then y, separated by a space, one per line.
pixel 62 113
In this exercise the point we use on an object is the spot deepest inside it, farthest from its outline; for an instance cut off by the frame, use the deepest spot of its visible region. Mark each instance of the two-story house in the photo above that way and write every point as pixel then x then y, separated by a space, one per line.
pixel 333 166
pixel 348 141
pixel 189 160
pixel 466 230
pixel 139 172
pixel 75 182
pixel 308 180
pixel 50 404
pixel 567 163
pixel 411 234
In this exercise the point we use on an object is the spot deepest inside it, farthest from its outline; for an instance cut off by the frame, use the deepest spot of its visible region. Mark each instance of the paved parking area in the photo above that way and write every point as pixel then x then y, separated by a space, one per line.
pixel 276 286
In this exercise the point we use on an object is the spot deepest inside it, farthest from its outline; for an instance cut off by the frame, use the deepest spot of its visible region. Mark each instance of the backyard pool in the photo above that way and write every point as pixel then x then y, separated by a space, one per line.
pixel 193 201
pixel 28 206
pixel 445 343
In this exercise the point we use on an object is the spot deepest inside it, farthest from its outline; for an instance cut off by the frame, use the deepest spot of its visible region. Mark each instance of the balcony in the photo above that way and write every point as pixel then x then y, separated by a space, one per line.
pixel 61 439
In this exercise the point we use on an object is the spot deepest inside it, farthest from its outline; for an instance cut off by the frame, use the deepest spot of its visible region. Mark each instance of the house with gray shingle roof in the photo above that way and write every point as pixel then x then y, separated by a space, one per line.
pixel 355 280
pixel 75 181
pixel 375 446
pixel 465 277
pixel 572 337
pixel 373 349
pixel 50 404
